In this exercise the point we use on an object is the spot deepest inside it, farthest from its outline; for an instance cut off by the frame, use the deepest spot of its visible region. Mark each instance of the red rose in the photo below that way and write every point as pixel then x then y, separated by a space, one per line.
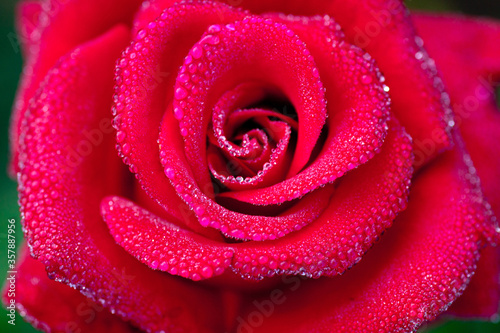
pixel 270 145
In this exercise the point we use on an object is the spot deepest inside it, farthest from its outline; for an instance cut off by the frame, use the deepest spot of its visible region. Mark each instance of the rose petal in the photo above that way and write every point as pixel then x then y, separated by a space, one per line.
pixel 162 245
pixel 28 14
pixel 59 31
pixel 420 265
pixel 55 307
pixel 184 217
pixel 296 7
pixel 482 296
pixel 144 88
pixel 60 199
pixel 469 59
pixel 149 11
pixel 362 207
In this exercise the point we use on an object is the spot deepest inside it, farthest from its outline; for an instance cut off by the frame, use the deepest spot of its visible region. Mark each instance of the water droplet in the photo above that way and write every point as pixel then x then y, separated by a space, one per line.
pixel 170 173
pixel 180 93
pixel 214 29
pixel 178 113
pixel 120 136
pixel 197 52
pixel 366 79
pixel 207 272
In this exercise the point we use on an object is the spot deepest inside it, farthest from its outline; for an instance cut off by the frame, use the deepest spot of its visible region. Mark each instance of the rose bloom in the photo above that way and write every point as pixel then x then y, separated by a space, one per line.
pixel 255 166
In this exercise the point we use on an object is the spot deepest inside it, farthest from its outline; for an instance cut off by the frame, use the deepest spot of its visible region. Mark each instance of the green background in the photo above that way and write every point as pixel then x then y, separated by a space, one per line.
pixel 10 68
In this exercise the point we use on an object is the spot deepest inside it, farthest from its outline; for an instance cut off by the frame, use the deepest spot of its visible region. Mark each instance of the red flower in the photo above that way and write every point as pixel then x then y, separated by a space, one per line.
pixel 270 146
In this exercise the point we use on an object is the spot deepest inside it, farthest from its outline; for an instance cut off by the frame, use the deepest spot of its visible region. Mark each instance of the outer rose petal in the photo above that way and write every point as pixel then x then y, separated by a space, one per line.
pixel 59 29
pixel 60 198
pixel 468 54
pixel 482 296
pixel 419 267
pixel 27 21
pixel 55 307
